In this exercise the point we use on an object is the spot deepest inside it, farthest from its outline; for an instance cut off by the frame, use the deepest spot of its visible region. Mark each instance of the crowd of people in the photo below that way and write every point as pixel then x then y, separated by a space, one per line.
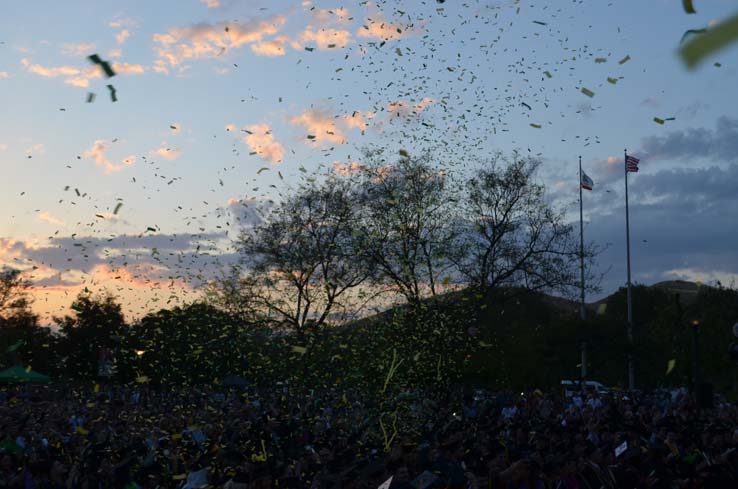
pixel 98 436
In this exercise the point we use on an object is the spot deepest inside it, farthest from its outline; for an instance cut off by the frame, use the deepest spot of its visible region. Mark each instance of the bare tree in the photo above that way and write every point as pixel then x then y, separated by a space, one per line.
pixel 510 236
pixel 304 253
pixel 236 293
pixel 404 223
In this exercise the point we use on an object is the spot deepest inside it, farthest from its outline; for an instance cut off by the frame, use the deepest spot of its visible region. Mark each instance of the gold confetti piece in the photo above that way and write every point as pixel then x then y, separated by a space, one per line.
pixel 715 39
pixel 658 120
pixel 587 92
pixel 688 7
pixel 624 60
pixel 602 308
pixel 612 80
pixel 537 126
pixel 670 366
pixel 600 60
pixel 179 477
pixel 393 368
pixel 117 207
pixel 299 349
pixel 548 74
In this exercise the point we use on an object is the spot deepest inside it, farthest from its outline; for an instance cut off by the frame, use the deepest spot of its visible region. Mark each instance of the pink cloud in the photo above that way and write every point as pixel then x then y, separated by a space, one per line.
pixel 77 77
pixel 121 37
pixel 46 217
pixel 358 119
pixel 401 108
pixel 99 154
pixel 347 169
pixel 261 141
pixel 78 50
pixel 320 126
pixel 323 17
pixel 210 40
pixel 326 38
pixel 273 47
pixel 380 29
pixel 167 153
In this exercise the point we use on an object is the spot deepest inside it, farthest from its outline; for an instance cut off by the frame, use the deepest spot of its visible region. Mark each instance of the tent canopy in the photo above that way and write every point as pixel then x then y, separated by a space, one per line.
pixel 19 374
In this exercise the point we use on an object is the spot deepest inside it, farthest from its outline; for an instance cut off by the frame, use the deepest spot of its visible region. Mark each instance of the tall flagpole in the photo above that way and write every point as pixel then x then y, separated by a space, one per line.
pixel 631 370
pixel 583 312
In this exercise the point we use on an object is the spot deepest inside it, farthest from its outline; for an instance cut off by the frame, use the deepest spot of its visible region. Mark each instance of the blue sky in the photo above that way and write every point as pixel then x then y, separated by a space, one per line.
pixel 454 79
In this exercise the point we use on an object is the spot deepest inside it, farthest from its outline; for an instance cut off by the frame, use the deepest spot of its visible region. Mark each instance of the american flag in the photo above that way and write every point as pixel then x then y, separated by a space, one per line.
pixel 631 164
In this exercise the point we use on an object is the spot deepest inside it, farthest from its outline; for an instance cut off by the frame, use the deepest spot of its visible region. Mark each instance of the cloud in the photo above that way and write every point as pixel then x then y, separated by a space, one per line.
pixel 358 119
pixel 98 153
pixel 139 269
pixel 322 17
pixel 3 146
pixel 4 74
pixel 128 68
pixel 50 72
pixel 121 36
pixel 249 211
pixel 84 253
pixel 45 216
pixel 115 53
pixel 123 22
pixel 380 29
pixel 682 221
pixel 401 108
pixel 205 40
pixel 326 38
pixel 261 141
pixel 77 77
pixel 720 144
pixel 273 47
pixel 36 149
pixel 167 153
pixel 211 3
pixel 347 169
pixel 319 125
pixel 78 50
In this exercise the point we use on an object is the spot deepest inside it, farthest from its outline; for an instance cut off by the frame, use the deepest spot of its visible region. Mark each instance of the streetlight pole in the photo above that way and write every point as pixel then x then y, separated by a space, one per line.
pixel 696 361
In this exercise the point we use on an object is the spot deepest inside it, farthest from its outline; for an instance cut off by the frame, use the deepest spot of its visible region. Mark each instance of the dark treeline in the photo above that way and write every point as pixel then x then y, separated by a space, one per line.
pixel 465 264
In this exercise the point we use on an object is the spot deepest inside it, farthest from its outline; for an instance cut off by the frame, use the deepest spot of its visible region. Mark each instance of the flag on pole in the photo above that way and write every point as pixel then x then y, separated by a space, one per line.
pixel 631 164
pixel 586 182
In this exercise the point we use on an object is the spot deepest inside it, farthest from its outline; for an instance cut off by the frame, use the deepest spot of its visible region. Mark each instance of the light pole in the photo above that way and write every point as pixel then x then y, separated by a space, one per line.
pixel 696 360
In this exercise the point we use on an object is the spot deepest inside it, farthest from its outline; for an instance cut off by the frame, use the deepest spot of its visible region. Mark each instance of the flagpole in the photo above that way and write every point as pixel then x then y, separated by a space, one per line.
pixel 583 312
pixel 631 370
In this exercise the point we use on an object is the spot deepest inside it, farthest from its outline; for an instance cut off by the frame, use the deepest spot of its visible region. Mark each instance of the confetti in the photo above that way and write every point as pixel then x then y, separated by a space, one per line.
pixel 587 92
pixel 715 39
pixel 670 366
pixel 104 65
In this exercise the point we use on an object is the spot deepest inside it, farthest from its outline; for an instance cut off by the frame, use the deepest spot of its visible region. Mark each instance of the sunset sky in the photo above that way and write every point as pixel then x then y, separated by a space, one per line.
pixel 215 97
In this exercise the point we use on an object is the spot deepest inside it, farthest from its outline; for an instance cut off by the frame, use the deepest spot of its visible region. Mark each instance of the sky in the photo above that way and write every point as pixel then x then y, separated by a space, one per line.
pixel 223 104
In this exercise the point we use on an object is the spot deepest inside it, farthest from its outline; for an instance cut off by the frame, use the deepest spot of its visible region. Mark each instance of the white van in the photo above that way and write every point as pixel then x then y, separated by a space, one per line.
pixel 572 386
